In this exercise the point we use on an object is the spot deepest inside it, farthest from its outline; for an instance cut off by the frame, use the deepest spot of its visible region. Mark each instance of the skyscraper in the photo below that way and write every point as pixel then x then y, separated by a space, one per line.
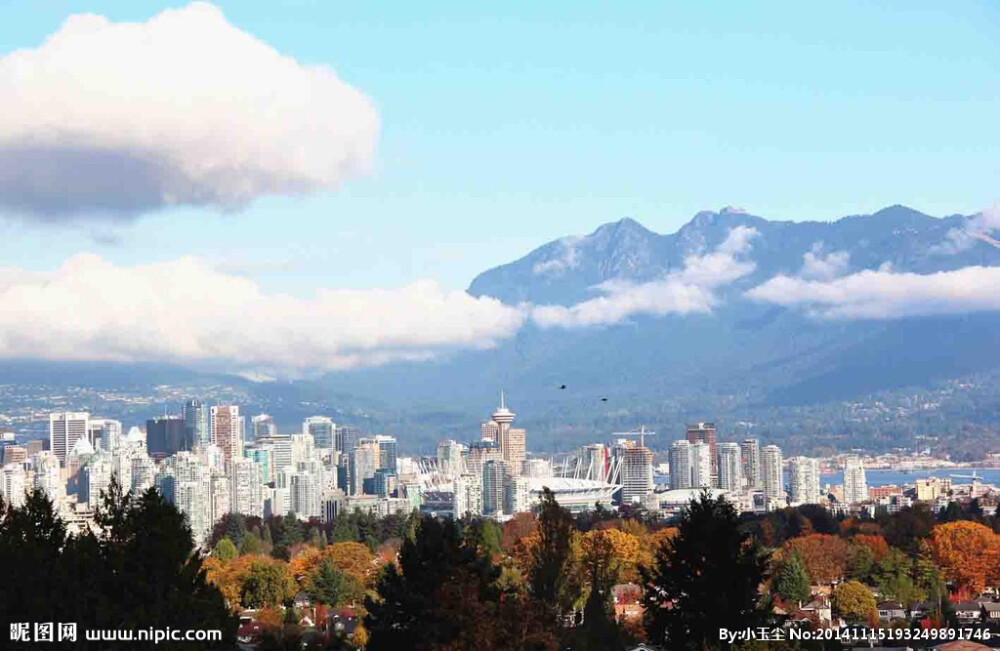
pixel 510 440
pixel 196 422
pixel 803 480
pixel 468 495
pixel 263 425
pixel 363 464
pixel 493 480
pixel 449 458
pixel 517 495
pixel 774 488
pixel 701 465
pixel 345 436
pixel 106 431
pixel 636 474
pixel 165 435
pixel 304 494
pixel 680 465
pixel 386 451
pixel 705 433
pixel 730 469
pixel 855 482
pixel 322 429
pixel 245 487
pixel 227 431
pixel 751 464
pixel 65 429
pixel 594 461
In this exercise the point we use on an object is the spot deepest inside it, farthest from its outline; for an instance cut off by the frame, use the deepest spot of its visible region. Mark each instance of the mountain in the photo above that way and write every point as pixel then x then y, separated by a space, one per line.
pixel 743 362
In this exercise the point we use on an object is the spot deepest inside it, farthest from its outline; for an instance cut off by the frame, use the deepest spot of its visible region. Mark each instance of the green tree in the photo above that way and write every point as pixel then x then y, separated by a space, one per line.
pixel 791 582
pixel 251 544
pixel 225 550
pixel 706 577
pixel 600 632
pixel 266 542
pixel 268 583
pixel 550 576
pixel 854 601
pixel 345 529
pixel 894 579
pixel 328 585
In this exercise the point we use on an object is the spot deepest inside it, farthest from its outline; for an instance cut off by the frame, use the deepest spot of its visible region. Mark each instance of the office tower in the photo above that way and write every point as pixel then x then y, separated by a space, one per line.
pixel 263 425
pixel 468 495
pixel 304 493
pixel 322 430
pixel 517 495
pixel 386 452
pixel 12 480
pixel 244 487
pixel 701 465
pixel 385 482
pixel 449 458
pixel 220 490
pixel 143 472
pixel 227 430
pixel 95 477
pixel 730 468
pixel 705 433
pixel 680 465
pixel 37 445
pixel 751 464
pixel 106 431
pixel 65 429
pixel 479 453
pixel 333 504
pixel 277 502
pixel 493 478
pixel 636 474
pixel 774 489
pixel 165 435
pixel 490 431
pixel 197 422
pixel 593 462
pixel 345 438
pixel 803 480
pixel 14 454
pixel 303 448
pixel 364 460
pixel 855 482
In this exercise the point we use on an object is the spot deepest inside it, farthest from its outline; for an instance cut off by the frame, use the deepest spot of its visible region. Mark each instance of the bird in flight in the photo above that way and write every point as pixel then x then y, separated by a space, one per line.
pixel 562 386
pixel 604 399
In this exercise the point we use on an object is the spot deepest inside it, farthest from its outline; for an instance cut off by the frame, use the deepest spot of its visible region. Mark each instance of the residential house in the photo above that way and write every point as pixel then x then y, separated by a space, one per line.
pixel 968 612
pixel 891 610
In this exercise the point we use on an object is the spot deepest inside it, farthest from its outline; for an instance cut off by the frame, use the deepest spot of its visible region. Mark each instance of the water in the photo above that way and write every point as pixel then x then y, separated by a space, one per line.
pixel 898 477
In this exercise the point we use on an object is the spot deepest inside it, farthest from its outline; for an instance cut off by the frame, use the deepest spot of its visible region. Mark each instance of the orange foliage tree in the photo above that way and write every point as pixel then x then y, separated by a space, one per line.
pixel 353 559
pixel 623 548
pixel 875 544
pixel 228 577
pixel 824 556
pixel 967 553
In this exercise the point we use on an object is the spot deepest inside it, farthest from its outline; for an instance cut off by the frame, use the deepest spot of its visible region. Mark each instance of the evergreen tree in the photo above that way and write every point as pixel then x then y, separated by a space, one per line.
pixel 225 550
pixel 251 543
pixel 792 581
pixel 705 578
pixel 550 580
pixel 266 543
pixel 328 585
pixel 345 529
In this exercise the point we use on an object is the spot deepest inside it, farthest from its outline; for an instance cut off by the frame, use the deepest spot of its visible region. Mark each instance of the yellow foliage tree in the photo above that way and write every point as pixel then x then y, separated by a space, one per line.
pixel 353 559
pixel 623 548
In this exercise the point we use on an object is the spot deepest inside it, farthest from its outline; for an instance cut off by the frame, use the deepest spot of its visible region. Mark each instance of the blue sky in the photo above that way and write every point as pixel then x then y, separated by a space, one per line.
pixel 501 131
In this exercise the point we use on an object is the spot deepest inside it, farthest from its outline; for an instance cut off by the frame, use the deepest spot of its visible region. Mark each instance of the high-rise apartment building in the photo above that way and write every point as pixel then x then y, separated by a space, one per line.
pixel 705 433
pixel 730 467
pixel 345 438
pixel 105 433
pixel 680 465
pixel 305 495
pixel 468 495
pixel 12 485
pixel 323 431
pixel 517 495
pixel 479 453
pixel 636 474
pixel 803 480
pixel 855 481
pixel 65 429
pixel 386 452
pixel 594 462
pixel 774 486
pixel 752 469
pixel 701 465
pixel 227 431
pixel 493 482
pixel 245 494
pixel 449 458
pixel 364 460
pixel 197 422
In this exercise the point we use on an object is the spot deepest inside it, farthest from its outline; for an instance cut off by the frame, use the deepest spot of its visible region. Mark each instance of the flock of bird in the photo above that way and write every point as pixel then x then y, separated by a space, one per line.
pixel 563 386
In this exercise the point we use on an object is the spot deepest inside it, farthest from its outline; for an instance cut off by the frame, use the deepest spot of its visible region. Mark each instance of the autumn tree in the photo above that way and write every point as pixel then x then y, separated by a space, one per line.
pixel 268 582
pixel 327 584
pixel 854 601
pixel 824 555
pixel 550 575
pixel 225 551
pixel 967 553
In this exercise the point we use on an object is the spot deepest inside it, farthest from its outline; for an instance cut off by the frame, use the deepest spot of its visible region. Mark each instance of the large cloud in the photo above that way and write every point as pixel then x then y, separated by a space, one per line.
pixel 819 266
pixel 185 310
pixel 683 292
pixel 978 227
pixel 115 119
pixel 884 294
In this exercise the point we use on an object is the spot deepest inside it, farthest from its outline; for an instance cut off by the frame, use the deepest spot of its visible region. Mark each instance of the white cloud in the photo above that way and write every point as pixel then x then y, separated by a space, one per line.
pixel 884 294
pixel 683 292
pixel 185 311
pixel 114 119
pixel 978 227
pixel 816 266
pixel 567 257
